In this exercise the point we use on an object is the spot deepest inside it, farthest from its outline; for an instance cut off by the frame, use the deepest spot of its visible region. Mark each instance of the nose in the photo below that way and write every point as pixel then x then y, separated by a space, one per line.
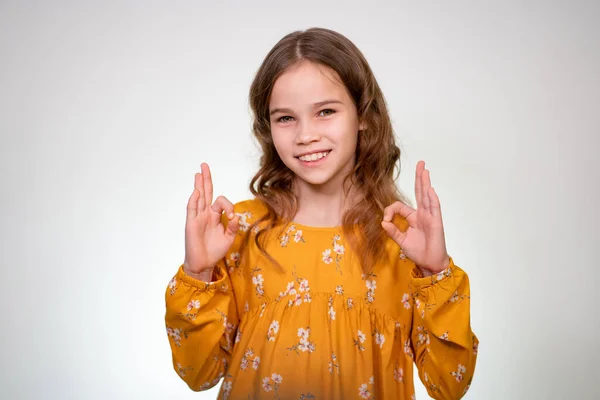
pixel 305 134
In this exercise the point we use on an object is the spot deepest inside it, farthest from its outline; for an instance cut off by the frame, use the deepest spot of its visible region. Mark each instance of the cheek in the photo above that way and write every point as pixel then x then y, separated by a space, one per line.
pixel 345 133
pixel 280 144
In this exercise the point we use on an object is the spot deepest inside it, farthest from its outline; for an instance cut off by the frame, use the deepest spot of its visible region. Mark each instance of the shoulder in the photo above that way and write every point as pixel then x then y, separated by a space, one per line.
pixel 253 206
pixel 249 211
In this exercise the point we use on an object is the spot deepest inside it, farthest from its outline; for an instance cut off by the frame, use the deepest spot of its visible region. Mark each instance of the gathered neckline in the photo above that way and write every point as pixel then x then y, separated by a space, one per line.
pixel 315 228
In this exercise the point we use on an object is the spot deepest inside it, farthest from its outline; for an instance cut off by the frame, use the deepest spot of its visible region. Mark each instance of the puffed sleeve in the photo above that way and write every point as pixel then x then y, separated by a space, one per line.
pixel 201 320
pixel 445 347
pixel 202 317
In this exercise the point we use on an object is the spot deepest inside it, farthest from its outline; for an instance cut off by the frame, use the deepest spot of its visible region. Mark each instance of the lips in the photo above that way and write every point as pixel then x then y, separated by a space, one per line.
pixel 315 156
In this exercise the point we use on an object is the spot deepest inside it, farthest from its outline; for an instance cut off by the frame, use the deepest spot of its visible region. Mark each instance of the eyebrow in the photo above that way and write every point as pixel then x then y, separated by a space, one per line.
pixel 315 105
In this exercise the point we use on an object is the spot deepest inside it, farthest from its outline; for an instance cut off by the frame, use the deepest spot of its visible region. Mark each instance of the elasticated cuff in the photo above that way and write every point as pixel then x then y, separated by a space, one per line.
pixel 218 277
pixel 418 280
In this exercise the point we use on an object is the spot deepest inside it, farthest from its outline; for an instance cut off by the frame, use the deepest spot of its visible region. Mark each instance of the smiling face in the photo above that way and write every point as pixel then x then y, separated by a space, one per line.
pixel 314 124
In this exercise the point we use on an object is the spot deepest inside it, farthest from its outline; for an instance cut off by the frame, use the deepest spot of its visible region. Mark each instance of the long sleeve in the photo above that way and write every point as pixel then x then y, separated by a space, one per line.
pixel 445 347
pixel 201 320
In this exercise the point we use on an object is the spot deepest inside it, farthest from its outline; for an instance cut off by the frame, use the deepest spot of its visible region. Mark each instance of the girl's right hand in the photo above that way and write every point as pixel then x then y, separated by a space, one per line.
pixel 206 239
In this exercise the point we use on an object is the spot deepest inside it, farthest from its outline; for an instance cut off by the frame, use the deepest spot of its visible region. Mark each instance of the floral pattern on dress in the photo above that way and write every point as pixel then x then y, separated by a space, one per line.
pixel 331 311
pixel 429 384
pixel 243 220
pixel 392 335
pixel 398 373
pixel 402 255
pixel 227 385
pixel 291 231
pixel 296 295
pixel 333 365
pixel 442 274
pixel 423 336
pixel 371 285
pixel 406 301
pixel 172 286
pixel 338 250
pixel 361 337
pixel 176 335
pixel 233 261
pixel 272 383
pixel 257 281
pixel 456 298
pixel 273 329
pixel 407 348
pixel 248 358
pixel 183 370
pixel 379 338
pixel 304 344
pixel 349 303
pixel 228 327
pixel 192 310
pixel 458 374
pixel 364 392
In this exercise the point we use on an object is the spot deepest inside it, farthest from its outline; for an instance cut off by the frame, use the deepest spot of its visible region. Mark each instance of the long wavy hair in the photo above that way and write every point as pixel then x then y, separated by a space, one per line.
pixel 377 156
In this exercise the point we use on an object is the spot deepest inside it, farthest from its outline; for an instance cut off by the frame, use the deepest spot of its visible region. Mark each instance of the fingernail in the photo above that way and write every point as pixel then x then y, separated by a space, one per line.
pixel 230 215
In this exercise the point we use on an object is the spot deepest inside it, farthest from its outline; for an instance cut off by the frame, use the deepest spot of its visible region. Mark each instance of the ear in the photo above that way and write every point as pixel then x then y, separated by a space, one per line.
pixel 362 126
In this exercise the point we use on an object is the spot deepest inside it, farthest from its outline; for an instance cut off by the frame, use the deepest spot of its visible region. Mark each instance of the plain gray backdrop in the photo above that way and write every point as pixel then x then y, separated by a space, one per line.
pixel 108 108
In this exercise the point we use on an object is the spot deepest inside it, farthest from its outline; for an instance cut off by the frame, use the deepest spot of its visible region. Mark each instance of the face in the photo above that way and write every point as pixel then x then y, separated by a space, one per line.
pixel 314 124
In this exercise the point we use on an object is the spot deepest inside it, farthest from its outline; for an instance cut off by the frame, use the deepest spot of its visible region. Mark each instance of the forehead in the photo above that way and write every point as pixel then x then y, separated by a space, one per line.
pixel 307 83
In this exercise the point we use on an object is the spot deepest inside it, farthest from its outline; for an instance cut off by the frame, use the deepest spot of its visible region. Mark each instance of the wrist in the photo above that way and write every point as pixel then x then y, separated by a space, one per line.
pixel 205 275
pixel 428 271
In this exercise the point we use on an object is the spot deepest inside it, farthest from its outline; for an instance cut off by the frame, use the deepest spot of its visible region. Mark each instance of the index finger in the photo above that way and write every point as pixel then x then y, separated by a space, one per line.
pixel 208 186
pixel 418 184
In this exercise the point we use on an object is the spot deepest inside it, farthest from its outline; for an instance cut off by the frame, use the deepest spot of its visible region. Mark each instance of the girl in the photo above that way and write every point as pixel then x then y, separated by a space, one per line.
pixel 326 285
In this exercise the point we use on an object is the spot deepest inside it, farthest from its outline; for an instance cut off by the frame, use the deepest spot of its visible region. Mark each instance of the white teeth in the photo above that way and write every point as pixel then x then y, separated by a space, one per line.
pixel 314 156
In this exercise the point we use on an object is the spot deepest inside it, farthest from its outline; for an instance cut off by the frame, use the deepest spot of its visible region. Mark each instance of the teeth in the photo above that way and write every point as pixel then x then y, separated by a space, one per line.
pixel 314 156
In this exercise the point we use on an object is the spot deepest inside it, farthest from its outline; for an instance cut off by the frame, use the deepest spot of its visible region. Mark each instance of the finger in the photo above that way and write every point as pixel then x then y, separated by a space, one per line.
pixel 192 205
pixel 232 227
pixel 418 191
pixel 397 208
pixel 425 185
pixel 208 186
pixel 393 232
pixel 222 204
pixel 200 188
pixel 434 203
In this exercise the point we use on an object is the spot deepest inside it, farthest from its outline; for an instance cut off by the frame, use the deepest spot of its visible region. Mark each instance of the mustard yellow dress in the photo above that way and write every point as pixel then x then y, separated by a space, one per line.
pixel 320 328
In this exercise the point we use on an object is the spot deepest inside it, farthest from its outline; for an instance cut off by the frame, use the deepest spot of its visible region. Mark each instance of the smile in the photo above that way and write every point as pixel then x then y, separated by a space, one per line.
pixel 314 157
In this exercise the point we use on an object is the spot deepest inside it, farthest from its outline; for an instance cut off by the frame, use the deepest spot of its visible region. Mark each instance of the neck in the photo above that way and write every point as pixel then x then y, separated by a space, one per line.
pixel 322 205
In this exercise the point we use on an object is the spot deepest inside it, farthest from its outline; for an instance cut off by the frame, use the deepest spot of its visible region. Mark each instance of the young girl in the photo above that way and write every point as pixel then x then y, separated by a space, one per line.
pixel 326 285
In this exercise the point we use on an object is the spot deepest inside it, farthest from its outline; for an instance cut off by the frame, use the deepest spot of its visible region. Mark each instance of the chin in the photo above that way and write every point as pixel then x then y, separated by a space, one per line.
pixel 315 179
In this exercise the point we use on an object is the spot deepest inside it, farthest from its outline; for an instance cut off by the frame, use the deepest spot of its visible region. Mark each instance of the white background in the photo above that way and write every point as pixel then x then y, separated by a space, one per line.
pixel 108 108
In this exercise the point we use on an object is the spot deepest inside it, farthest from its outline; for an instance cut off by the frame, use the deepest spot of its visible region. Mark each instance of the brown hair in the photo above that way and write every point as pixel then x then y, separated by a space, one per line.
pixel 377 155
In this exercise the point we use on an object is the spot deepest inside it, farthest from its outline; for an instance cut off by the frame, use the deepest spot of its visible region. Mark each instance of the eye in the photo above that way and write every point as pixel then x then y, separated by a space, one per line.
pixel 327 111
pixel 284 118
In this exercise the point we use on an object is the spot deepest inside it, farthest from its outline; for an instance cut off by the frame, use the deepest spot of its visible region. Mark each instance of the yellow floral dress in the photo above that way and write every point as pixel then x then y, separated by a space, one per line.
pixel 320 328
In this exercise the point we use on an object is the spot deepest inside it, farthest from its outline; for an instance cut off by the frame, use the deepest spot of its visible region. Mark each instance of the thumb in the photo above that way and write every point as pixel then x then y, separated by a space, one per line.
pixel 232 227
pixel 393 232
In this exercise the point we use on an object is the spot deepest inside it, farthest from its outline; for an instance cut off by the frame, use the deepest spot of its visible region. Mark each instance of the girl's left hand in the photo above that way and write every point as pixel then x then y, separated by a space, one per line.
pixel 423 242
